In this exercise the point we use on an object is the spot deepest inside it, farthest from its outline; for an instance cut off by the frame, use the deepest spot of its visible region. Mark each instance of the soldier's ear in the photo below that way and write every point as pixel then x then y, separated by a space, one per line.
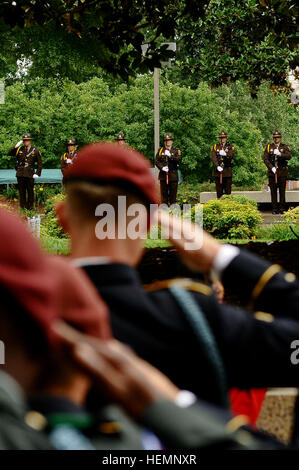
pixel 61 212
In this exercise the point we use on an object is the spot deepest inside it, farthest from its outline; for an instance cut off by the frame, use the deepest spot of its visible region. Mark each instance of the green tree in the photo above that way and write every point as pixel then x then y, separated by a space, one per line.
pixel 250 40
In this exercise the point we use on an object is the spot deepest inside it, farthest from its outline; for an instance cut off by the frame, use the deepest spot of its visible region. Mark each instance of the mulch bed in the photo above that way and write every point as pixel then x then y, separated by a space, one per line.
pixel 164 263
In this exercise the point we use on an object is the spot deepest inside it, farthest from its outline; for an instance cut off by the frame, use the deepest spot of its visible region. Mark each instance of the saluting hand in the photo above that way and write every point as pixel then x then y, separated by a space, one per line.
pixel 197 248
pixel 121 375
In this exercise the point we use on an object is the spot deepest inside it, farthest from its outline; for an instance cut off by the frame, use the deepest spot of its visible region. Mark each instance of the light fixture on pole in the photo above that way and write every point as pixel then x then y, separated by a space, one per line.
pixel 171 46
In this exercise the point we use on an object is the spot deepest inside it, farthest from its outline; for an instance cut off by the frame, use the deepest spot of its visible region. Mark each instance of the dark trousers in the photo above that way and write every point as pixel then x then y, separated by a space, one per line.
pixel 26 192
pixel 281 187
pixel 168 192
pixel 225 187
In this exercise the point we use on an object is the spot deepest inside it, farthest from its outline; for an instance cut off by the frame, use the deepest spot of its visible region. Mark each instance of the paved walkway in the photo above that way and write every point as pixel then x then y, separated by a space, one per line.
pixel 270 218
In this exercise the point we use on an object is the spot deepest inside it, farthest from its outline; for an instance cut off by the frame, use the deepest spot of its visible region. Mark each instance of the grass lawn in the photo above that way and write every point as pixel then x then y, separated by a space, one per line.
pixel 278 232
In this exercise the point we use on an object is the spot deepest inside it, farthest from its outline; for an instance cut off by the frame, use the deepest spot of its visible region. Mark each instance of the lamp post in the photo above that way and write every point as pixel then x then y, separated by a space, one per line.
pixel 171 46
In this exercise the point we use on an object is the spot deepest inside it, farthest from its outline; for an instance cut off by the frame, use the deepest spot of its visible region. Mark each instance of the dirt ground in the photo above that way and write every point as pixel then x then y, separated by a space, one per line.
pixel 164 263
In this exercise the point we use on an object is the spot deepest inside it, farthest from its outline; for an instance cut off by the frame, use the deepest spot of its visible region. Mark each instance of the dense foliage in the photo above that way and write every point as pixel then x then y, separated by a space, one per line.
pixel 217 40
pixel 236 40
pixel 231 217
pixel 94 111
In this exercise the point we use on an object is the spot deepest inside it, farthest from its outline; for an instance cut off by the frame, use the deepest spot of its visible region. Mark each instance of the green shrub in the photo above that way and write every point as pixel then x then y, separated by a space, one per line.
pixel 45 192
pixel 12 192
pixel 240 199
pixel 277 232
pixel 50 226
pixel 230 219
pixel 291 216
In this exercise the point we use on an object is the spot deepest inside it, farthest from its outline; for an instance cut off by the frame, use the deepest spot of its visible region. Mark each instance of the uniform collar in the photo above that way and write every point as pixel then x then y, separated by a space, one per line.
pixel 112 274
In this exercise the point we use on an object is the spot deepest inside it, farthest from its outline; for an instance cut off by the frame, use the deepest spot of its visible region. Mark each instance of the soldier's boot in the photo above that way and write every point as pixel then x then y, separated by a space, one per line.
pixel 227 185
pixel 219 187
pixel 164 192
pixel 30 193
pixel 22 191
pixel 273 189
pixel 173 188
pixel 282 194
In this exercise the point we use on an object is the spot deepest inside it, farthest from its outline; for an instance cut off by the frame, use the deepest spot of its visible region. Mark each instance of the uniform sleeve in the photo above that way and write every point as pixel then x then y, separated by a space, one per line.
pixel 194 427
pixel 255 348
pixel 266 158
pixel 159 161
pixel 12 152
pixel 263 286
pixel 176 156
pixel 39 163
pixel 63 163
pixel 231 152
pixel 214 157
pixel 285 152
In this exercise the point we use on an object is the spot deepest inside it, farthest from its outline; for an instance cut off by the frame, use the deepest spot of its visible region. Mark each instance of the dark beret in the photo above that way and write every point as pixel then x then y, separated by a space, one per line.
pixel 108 162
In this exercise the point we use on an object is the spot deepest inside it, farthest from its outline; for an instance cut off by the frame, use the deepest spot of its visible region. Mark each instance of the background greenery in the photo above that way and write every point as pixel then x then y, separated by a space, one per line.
pixel 97 109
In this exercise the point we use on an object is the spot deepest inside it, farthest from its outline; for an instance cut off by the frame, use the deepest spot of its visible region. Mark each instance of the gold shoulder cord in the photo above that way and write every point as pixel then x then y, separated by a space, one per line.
pixel 264 279
pixel 184 283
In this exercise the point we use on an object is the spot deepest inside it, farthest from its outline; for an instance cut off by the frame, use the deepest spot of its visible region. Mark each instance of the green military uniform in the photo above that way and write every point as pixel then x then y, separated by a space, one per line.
pixel 223 179
pixel 167 160
pixel 27 159
pixel 277 156
pixel 69 427
pixel 15 433
pixel 68 157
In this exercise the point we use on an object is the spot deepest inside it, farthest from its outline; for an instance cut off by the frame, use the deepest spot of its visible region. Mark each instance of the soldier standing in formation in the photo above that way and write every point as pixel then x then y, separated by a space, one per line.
pixel 167 160
pixel 68 157
pixel 27 158
pixel 276 158
pixel 120 138
pixel 222 155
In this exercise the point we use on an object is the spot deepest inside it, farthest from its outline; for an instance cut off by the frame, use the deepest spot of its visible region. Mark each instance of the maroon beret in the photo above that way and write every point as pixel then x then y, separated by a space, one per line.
pixel 108 162
pixel 24 272
pixel 48 288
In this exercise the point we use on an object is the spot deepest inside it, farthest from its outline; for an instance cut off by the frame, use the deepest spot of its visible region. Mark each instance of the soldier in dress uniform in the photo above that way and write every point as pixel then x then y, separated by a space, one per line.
pixel 276 157
pixel 157 321
pixel 167 160
pixel 120 139
pixel 222 155
pixel 29 167
pixel 68 157
pixel 38 291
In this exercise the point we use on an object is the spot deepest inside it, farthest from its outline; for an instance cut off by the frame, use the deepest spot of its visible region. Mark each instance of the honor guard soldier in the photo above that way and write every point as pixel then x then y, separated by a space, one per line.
pixel 276 158
pixel 68 157
pixel 167 160
pixel 28 158
pixel 222 155
pixel 171 322
pixel 120 139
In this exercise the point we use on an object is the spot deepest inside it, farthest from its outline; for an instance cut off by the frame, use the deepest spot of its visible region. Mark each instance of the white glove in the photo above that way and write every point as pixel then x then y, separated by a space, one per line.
pixel 167 153
pixel 277 152
pixel 219 168
pixel 273 169
pixel 19 143
pixel 35 176
pixel 222 152
pixel 165 168
pixel 68 160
